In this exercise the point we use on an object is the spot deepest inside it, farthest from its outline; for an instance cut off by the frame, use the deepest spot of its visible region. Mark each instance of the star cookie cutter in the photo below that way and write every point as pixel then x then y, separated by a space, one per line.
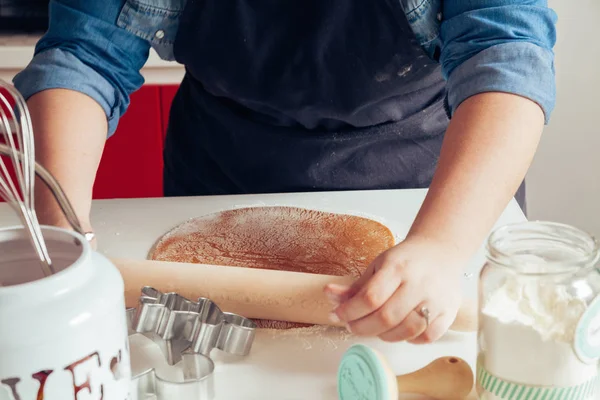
pixel 186 332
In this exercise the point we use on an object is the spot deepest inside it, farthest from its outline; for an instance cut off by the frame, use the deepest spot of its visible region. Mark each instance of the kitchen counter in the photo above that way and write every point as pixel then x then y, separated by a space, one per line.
pixel 16 52
pixel 284 365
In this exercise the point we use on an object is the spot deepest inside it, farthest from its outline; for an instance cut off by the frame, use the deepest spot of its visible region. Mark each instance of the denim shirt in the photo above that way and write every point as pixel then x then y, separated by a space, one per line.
pixel 98 47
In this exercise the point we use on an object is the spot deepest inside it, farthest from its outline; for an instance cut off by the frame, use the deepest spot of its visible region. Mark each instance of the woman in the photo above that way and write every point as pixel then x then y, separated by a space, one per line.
pixel 317 95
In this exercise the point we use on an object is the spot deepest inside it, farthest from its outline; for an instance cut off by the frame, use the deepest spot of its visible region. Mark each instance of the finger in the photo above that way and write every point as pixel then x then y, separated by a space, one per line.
pixel 411 327
pixel 344 292
pixel 337 289
pixel 337 293
pixel 388 316
pixel 437 328
pixel 375 266
pixel 372 295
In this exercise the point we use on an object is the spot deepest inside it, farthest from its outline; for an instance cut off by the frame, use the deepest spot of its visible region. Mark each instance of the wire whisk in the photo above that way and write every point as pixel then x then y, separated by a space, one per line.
pixel 17 131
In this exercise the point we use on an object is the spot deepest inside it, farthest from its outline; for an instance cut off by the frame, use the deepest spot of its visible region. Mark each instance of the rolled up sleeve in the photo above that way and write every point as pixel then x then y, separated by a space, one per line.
pixel 499 46
pixel 85 51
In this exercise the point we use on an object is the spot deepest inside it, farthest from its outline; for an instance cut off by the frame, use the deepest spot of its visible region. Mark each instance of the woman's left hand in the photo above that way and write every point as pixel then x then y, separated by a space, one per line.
pixel 410 292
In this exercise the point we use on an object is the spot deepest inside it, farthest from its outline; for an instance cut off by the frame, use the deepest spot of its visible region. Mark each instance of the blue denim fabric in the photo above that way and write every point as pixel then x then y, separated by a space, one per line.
pixel 499 45
pixel 98 47
pixel 84 50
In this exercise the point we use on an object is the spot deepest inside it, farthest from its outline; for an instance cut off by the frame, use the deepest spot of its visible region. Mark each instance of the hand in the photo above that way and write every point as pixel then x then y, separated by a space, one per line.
pixel 386 301
pixel 94 241
pixel 87 227
pixel 58 220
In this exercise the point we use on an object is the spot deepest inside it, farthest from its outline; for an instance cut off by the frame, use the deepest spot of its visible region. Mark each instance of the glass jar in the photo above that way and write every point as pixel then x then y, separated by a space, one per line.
pixel 539 314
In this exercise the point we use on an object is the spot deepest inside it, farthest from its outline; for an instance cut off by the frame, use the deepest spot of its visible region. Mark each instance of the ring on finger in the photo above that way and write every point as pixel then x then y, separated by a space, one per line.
pixel 424 312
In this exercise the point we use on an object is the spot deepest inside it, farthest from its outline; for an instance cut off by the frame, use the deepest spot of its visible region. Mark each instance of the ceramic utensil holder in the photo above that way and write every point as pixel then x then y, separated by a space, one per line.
pixel 65 336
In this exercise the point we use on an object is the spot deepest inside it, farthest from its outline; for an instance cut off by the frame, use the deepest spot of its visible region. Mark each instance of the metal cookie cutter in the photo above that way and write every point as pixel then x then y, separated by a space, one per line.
pixel 193 379
pixel 186 332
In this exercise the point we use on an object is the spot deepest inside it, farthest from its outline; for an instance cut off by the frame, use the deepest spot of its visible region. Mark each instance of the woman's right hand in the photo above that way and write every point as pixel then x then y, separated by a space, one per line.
pixel 87 228
pixel 51 215
pixel 94 244
pixel 85 225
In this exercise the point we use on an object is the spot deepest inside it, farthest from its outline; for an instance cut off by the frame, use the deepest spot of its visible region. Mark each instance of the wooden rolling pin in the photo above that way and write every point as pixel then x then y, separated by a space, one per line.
pixel 365 374
pixel 253 293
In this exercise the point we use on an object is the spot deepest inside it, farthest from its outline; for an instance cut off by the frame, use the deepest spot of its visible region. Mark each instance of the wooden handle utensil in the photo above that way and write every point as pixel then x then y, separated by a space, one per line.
pixel 364 373
pixel 253 293
pixel 446 378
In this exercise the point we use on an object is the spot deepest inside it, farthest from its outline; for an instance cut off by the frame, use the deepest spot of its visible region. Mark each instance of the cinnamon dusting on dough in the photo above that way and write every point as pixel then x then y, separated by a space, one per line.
pixel 281 238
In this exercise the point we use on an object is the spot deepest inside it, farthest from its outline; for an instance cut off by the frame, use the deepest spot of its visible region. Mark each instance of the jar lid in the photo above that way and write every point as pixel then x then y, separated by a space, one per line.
pixel 362 374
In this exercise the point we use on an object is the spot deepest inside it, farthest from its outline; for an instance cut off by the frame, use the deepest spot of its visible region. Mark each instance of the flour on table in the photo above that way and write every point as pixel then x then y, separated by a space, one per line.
pixel 323 337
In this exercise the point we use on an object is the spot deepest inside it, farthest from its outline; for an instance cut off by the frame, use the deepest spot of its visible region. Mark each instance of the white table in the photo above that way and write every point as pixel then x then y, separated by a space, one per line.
pixel 284 366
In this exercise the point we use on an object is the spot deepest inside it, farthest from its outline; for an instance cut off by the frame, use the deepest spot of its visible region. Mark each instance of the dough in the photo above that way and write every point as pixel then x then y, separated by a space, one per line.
pixel 283 238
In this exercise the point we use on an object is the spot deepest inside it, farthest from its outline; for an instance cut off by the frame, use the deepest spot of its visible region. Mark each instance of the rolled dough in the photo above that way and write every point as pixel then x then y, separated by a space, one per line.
pixel 283 238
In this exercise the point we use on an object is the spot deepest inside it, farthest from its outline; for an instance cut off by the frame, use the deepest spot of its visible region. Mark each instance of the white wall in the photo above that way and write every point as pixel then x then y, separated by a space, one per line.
pixel 564 181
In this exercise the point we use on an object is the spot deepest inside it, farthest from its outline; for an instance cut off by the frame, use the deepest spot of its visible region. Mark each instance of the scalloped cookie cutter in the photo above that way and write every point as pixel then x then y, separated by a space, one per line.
pixel 186 332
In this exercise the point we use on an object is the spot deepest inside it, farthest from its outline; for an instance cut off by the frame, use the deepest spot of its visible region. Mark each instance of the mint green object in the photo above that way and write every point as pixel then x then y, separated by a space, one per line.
pixel 513 391
pixel 587 334
pixel 362 376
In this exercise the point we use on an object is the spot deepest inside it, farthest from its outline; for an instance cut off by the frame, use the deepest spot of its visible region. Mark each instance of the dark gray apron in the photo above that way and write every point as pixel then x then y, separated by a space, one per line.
pixel 293 96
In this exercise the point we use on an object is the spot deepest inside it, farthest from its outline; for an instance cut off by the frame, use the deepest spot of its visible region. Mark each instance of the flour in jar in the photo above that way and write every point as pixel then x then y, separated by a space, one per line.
pixel 527 335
